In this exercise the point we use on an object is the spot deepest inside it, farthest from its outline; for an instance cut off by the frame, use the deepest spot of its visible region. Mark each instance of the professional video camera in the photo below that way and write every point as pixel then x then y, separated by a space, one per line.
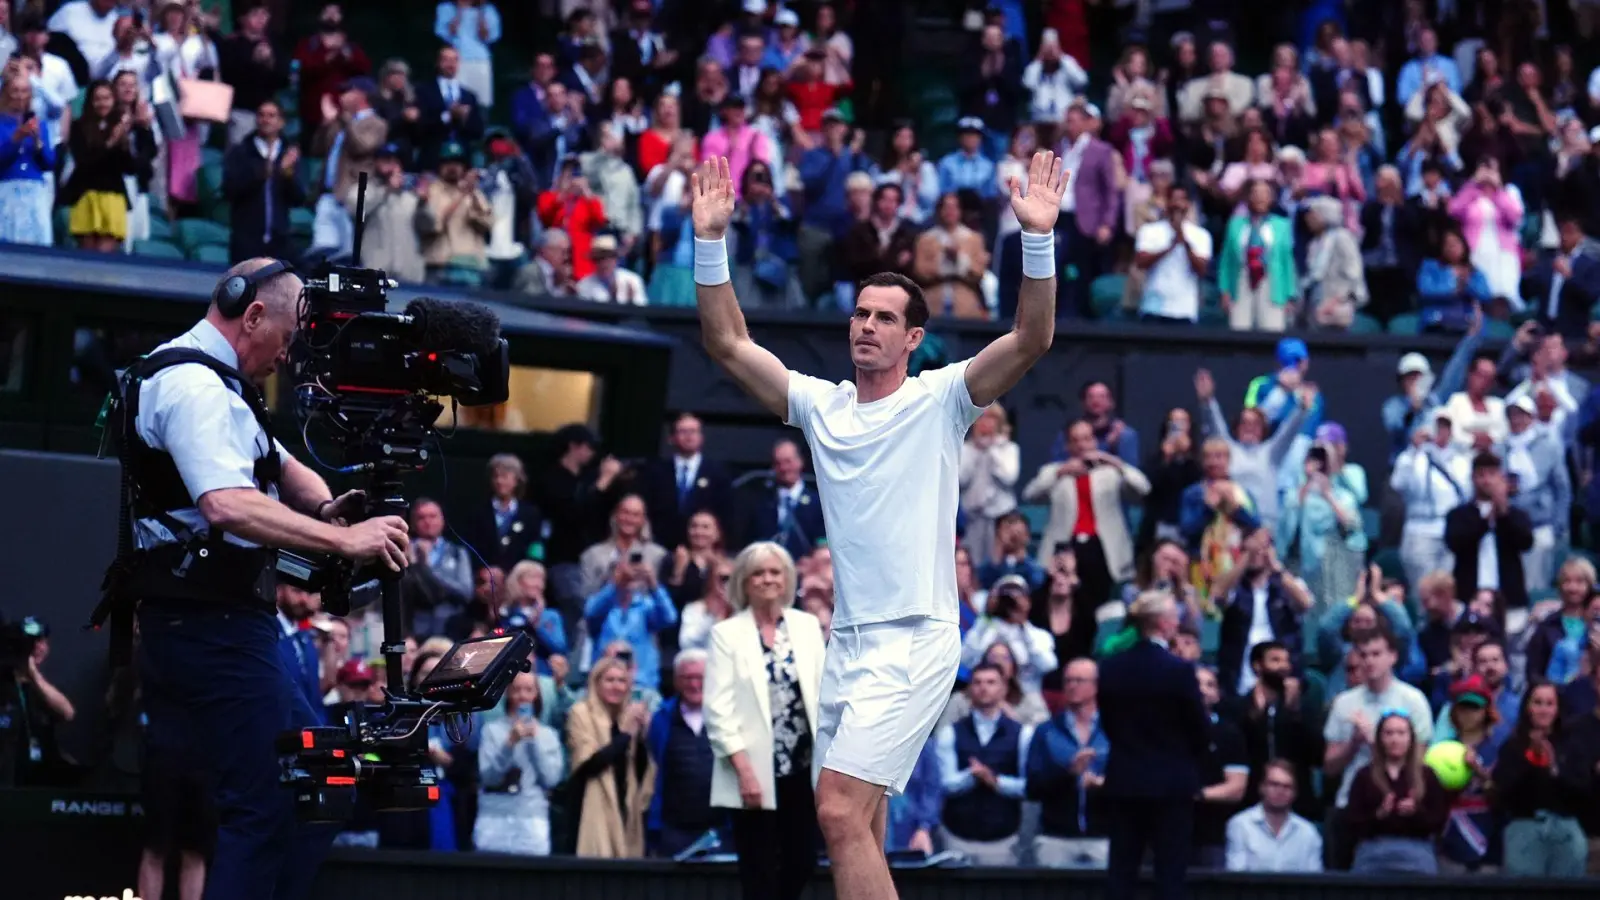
pixel 372 380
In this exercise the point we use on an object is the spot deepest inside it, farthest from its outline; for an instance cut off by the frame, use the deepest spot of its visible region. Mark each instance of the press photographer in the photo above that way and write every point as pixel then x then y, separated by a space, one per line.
pixel 207 493
pixel 31 709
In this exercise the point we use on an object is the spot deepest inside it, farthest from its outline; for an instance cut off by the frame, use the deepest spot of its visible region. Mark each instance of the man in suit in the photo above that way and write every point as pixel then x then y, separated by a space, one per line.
pixel 1391 246
pixel 1091 205
pixel 553 138
pixel 981 758
pixel 447 111
pixel 640 53
pixel 258 180
pixel 549 273
pixel 1153 716
pixel 1565 283
pixel 786 510
pixel 1489 514
pixel 438 583
pixel 682 484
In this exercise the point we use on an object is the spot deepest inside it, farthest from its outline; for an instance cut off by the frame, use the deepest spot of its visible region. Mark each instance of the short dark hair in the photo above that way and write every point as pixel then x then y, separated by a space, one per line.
pixel 1013 516
pixel 1484 462
pixel 1084 391
pixel 987 666
pixel 1363 638
pixel 1492 642
pixel 1258 653
pixel 881 189
pixel 267 102
pixel 916 302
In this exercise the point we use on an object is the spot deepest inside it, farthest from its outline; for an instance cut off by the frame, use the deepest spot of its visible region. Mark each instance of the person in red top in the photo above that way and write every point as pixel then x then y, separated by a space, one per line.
pixel 574 208
pixel 655 145
pixel 327 60
pixel 811 95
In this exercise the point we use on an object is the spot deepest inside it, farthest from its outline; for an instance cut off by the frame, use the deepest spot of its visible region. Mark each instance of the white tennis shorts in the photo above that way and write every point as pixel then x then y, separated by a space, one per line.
pixel 884 688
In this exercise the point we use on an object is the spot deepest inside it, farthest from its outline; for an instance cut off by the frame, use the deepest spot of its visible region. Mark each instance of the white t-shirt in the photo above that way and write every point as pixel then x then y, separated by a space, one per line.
pixel 1171 288
pixel 889 477
pixel 1360 698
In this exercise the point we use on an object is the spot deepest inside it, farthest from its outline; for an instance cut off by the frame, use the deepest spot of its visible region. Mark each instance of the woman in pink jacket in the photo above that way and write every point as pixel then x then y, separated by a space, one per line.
pixel 1490 214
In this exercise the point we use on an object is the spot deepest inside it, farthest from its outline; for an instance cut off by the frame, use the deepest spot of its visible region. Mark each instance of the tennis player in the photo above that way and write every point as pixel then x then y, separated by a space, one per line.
pixel 885 449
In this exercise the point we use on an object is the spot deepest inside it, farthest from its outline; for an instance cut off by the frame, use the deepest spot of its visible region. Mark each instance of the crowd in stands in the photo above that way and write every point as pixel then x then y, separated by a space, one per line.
pixel 1389 164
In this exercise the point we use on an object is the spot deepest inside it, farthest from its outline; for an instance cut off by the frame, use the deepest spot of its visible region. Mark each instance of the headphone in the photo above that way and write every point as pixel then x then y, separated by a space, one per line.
pixel 235 293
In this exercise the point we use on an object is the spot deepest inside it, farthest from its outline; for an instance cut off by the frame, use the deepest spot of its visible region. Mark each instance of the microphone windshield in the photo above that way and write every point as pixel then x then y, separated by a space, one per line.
pixel 455 325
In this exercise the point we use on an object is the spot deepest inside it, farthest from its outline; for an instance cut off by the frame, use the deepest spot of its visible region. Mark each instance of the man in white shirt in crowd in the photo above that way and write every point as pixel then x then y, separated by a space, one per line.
pixel 609 282
pixel 1269 837
pixel 90 24
pixel 1174 252
pixel 1478 416
pixel 982 757
pixel 1431 477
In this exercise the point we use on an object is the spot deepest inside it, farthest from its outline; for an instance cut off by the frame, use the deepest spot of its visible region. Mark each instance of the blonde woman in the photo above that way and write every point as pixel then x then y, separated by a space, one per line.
pixel 525 609
pixel 520 761
pixel 610 764
pixel 761 713
pixel 990 464
pixel 700 616
pixel 630 542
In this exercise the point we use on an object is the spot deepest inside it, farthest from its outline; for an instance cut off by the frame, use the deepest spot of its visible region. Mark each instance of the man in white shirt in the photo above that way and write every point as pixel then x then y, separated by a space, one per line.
pixel 609 282
pixel 1174 253
pixel 982 758
pixel 1478 416
pixel 90 24
pixel 1269 837
pixel 886 449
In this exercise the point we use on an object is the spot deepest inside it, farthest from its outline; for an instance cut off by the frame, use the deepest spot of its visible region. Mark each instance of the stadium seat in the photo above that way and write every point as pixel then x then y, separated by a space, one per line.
pixel 160 228
pixel 157 249
pixel 63 234
pixel 192 233
pixel 1496 330
pixel 1388 562
pixel 1365 324
pixel 1213 317
pixel 1038 515
pixel 221 213
pixel 1371 523
pixel 211 254
pixel 1539 595
pixel 300 221
pixel 1405 323
pixel 1105 296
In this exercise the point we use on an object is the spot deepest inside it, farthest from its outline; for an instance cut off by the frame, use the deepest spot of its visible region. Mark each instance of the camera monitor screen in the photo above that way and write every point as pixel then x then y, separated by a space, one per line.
pixel 467 661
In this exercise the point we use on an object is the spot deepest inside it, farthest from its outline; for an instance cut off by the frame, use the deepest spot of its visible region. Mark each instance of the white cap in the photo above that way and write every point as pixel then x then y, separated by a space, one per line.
pixel 1524 403
pixel 1414 364
pixel 755 7
pixel 786 18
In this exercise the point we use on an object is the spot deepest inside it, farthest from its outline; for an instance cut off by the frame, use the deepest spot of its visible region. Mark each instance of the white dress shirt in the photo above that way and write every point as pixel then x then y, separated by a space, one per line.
pixel 958 779
pixel 1253 847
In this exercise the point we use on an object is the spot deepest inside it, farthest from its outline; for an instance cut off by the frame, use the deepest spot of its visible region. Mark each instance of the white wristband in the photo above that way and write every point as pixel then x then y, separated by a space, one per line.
pixel 1038 255
pixel 711 262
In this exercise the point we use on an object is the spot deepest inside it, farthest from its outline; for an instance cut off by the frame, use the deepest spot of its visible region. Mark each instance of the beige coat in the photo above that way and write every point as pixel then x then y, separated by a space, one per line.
pixel 952 280
pixel 603 831
pixel 460 232
pixel 363 138
pixel 738 707
pixel 395 221
pixel 1107 485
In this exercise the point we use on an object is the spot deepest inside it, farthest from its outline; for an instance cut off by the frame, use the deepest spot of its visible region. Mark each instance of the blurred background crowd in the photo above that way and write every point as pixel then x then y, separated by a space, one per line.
pixel 1326 164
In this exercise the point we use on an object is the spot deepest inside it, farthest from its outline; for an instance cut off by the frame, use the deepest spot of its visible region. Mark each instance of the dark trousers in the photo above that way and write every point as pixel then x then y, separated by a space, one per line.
pixel 778 848
pixel 1089 261
pixel 1165 827
pixel 1094 589
pixel 216 697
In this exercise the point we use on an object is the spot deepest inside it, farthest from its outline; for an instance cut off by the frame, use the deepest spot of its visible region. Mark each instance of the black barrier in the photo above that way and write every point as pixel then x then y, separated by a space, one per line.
pixel 72 846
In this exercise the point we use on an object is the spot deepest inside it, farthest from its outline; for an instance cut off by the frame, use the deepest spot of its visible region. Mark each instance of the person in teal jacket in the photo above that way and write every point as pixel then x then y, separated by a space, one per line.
pixel 1255 271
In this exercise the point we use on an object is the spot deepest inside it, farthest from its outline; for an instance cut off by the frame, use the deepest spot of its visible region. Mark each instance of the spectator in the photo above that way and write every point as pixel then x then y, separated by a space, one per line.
pixel 1065 770
pixel 641 53
pixel 549 273
pixel 1276 717
pixel 1010 555
pixel 711 606
pixel 1565 283
pixel 767 652
pixel 615 185
pixel 397 105
pixel 1322 524
pixel 1285 98
pixel 676 488
pixel 1269 837
pixel 1170 470
pixel 248 61
pixel 1054 81
pixel 439 578
pixel 1427 68
pixel 349 139
pixel 448 112
pixel 1261 603
pixel 950 261
pixel 745 73
pixel 666 129
pixel 1256 270
pixel 1256 164
pixel 1536 462
pixel 456 227
pixel 27 153
pixel 1397 805
pixel 1488 536
pixel 52 78
pixel 810 95
pixel 883 243
pixel 1221 82
pixel 1431 477
pixel 1335 174
pixel 1479 418
pixel 609 282
pixel 1092 201
pixel 184 51
pixel 258 178
pixel 1449 285
pixel 1172 285
pixel 989 467
pixel 524 609
pixel 131 54
pixel 629 538
pixel 1224 774
pixel 1471 838
pixel 835 43
pixel 1574 588
pixel 96 192
pixel 1132 75
pixel 1023 705
pixel 90 24
pixel 1141 138
pixel 736 140
pixel 520 761
pixel 765 245
pixel 611 766
pixel 903 164
pixel 1538 792
pixel 825 172
pixel 1253 458
pixel 679 742
pixel 1215 514
pixel 396 217
pixel 1334 283
pixel 1032 649
pixel 573 207
pixel 991 91
pixel 471 27
pixel 711 90
pixel 967 166
pixel 982 757
pixel 1491 217
pixel 1391 246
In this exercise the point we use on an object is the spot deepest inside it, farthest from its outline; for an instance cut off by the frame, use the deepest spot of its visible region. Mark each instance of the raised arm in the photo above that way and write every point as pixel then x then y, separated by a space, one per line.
pixel 722 330
pixel 998 367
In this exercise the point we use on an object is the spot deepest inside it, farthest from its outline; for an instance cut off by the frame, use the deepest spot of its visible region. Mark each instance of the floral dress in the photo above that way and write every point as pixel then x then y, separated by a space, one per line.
pixel 791 731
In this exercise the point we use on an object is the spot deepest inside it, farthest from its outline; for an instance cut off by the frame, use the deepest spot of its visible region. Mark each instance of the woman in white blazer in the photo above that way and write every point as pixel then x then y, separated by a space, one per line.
pixel 1100 540
pixel 761 715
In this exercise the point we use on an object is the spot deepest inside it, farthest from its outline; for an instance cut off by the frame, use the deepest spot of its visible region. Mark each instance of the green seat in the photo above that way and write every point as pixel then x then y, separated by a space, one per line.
pixel 1365 324
pixel 1213 317
pixel 1371 522
pixel 192 233
pixel 1405 323
pixel 221 213
pixel 1105 295
pixel 1541 594
pixel 1496 330
pixel 157 249
pixel 1038 516
pixel 211 156
pixel 160 228
pixel 300 221
pixel 211 254
pixel 208 187
pixel 63 227
pixel 1388 562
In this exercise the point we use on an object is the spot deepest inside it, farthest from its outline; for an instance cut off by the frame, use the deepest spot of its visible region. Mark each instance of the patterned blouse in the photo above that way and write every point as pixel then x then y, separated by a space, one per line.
pixel 791 731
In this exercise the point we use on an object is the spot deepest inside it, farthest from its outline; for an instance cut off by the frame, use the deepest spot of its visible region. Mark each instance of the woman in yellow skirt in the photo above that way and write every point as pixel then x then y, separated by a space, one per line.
pixel 96 191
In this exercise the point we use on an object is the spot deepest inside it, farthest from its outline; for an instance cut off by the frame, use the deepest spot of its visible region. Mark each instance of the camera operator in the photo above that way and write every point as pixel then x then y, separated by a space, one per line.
pixel 33 707
pixel 204 480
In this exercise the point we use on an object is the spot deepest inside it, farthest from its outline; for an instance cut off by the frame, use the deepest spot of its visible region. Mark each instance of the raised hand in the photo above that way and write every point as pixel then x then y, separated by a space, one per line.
pixel 712 206
pixel 1038 209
